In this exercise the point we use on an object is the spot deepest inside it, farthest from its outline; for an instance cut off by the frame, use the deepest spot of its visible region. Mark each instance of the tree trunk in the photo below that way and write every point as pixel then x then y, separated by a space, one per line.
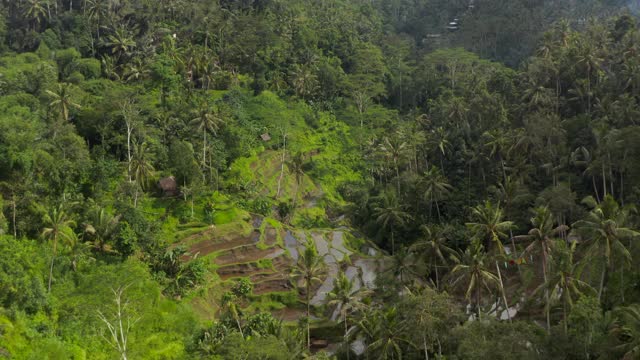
pixel 204 156
pixel 284 152
pixel 295 195
pixel 622 187
pixel 611 185
pixel 478 310
pixel 595 188
pixel 346 341
pixel 546 290
pixel 424 345
pixel 393 243
pixel 589 90
pixel 622 282
pixel 564 315
pixel 238 323
pixel 53 257
pixel 504 295
pixel 437 276
pixel 13 205
pixel 604 182
pixel 603 277
pixel 308 315
pixel 129 131
pixel 504 171
pixel 395 163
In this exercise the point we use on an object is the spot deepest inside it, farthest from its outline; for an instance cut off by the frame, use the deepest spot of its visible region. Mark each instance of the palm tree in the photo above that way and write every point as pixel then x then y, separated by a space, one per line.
pixel 304 81
pixel 563 283
pixel 384 331
pixel 543 236
pixel 509 193
pixel 35 12
pixel 433 246
pixel 472 269
pixel 229 302
pixel 206 120
pixel 346 299
pixel 141 164
pixel 295 166
pixel 390 215
pixel 488 225
pixel 141 167
pixel 440 142
pixel 57 226
pixel 402 267
pixel 308 271
pixel 435 187
pixel 393 148
pixel 61 100
pixel 121 42
pixel 76 248
pixel 604 228
pixel 537 95
pixel 102 228
pixel 96 10
pixel 626 328
pixel 591 61
pixel 498 142
pixel 583 158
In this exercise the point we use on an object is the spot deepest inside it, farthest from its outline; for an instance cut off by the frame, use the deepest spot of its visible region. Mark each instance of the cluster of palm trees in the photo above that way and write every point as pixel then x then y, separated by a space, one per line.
pixel 595 243
pixel 59 228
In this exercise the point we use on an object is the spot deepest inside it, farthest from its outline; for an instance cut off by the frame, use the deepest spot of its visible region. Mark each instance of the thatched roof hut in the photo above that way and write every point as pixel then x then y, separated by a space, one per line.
pixel 169 186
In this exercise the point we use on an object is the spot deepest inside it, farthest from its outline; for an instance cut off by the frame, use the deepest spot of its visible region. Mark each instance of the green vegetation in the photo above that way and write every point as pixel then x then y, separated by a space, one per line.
pixel 272 179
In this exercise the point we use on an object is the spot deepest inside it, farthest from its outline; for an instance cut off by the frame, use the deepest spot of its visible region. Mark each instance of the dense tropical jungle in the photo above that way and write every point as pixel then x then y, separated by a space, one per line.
pixel 319 179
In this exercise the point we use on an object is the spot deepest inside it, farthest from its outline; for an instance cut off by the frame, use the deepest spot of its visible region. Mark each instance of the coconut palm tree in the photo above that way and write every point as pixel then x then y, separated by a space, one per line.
pixel 488 225
pixel 472 270
pixel 308 271
pixel 543 236
pixel 102 228
pixel 563 283
pixel 394 148
pixel 385 333
pixel 141 167
pixel 498 142
pixel 121 42
pixel 436 187
pixel 141 164
pixel 96 11
pixel 402 267
pixel 36 12
pixel 304 81
pixel 77 249
pixel 433 246
pixel 296 168
pixel 390 215
pixel 439 141
pixel 589 58
pixel 229 303
pixel 57 225
pixel 604 228
pixel 626 329
pixel 346 299
pixel 207 120
pixel 61 100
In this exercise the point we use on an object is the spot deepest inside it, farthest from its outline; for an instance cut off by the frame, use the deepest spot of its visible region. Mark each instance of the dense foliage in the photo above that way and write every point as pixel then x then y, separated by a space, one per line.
pixel 495 165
